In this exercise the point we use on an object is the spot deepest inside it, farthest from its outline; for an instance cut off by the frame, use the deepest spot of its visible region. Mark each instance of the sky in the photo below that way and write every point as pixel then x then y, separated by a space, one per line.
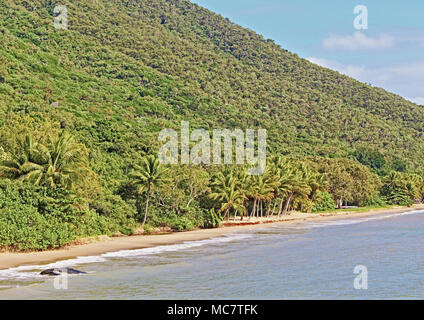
pixel 382 45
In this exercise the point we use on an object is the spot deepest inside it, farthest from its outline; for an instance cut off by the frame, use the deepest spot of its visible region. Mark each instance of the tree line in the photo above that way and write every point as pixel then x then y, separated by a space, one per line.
pixel 42 155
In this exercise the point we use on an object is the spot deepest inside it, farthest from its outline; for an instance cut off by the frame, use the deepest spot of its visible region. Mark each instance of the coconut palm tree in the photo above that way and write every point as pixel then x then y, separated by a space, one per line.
pixel 148 177
pixel 67 162
pixel 230 199
pixel 287 180
pixel 262 189
pixel 298 186
pixel 63 162
pixel 226 190
pixel 317 183
pixel 242 182
pixel 25 164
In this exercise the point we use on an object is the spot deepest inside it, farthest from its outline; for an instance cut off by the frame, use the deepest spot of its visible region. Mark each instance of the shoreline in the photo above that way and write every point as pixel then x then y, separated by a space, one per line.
pixel 14 259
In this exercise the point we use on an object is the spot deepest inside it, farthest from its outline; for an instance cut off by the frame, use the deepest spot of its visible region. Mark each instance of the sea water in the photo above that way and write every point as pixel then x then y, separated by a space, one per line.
pixel 300 261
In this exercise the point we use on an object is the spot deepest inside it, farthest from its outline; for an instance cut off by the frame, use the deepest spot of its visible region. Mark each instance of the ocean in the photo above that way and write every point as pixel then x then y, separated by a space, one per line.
pixel 375 257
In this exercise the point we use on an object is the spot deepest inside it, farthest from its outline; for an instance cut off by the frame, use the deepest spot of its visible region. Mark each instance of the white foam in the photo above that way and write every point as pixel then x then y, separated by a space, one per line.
pixel 334 223
pixel 406 213
pixel 32 272
pixel 175 247
pixel 355 221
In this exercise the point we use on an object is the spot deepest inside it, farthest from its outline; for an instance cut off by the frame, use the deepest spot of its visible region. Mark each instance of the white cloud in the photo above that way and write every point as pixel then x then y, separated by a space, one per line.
pixel 350 70
pixel 358 41
pixel 417 100
pixel 406 79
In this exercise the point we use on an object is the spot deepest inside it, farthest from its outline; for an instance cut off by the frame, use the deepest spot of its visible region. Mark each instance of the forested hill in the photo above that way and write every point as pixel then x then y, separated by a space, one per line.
pixel 81 109
pixel 126 69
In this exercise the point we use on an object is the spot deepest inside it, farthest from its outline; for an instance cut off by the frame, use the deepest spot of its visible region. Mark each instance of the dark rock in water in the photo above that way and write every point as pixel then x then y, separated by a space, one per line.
pixel 59 271
pixel 49 272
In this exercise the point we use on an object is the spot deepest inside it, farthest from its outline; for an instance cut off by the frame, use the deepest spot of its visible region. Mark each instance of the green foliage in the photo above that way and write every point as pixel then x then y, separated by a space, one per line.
pixel 80 112
pixel 376 200
pixel 324 202
pixel 42 154
pixel 186 220
pixel 38 218
pixel 402 188
pixel 123 214
pixel 148 177
pixel 348 180
pixel 124 70
pixel 34 217
pixel 211 219
pixel 180 223
pixel 371 158
pixel 399 197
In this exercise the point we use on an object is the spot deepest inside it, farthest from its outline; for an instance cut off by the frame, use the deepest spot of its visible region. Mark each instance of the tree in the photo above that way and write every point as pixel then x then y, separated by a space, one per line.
pixel 298 186
pixel 318 184
pixel 348 180
pixel 262 189
pixel 63 162
pixel 400 188
pixel 284 175
pixel 26 164
pixel 371 158
pixel 226 191
pixel 149 176
pixel 67 162
pixel 194 180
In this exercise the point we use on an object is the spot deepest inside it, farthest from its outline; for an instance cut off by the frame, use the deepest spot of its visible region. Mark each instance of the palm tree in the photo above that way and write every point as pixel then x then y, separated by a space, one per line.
pixel 287 179
pixel 317 183
pixel 242 183
pixel 64 162
pixel 230 199
pixel 67 163
pixel 148 177
pixel 393 180
pixel 226 190
pixel 262 189
pixel 298 185
pixel 25 164
pixel 274 172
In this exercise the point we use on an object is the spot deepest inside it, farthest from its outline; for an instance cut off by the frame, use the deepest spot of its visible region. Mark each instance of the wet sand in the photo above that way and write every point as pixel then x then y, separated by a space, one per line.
pixel 14 259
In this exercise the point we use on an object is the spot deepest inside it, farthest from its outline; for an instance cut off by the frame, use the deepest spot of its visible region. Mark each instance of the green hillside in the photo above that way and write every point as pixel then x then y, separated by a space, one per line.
pixel 124 70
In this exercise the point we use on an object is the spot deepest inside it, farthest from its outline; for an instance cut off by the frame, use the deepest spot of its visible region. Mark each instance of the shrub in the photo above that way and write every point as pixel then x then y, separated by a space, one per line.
pixel 375 200
pixel 324 202
pixel 211 219
pixel 37 218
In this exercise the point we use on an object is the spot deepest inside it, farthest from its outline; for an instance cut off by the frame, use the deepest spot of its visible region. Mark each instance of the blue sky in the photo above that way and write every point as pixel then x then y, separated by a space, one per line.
pixel 389 54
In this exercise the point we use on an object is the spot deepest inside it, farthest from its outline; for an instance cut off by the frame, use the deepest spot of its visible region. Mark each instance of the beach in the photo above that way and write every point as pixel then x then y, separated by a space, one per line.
pixel 14 259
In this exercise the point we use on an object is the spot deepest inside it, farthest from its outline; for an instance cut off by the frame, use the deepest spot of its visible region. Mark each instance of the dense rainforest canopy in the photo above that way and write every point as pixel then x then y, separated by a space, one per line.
pixel 101 91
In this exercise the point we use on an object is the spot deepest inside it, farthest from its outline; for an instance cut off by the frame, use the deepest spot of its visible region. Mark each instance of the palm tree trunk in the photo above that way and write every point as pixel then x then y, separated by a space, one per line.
pixel 226 212
pixel 258 209
pixel 147 206
pixel 287 203
pixel 281 206
pixel 273 209
pixel 268 208
pixel 253 209
pixel 312 202
pixel 262 212
pixel 247 210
